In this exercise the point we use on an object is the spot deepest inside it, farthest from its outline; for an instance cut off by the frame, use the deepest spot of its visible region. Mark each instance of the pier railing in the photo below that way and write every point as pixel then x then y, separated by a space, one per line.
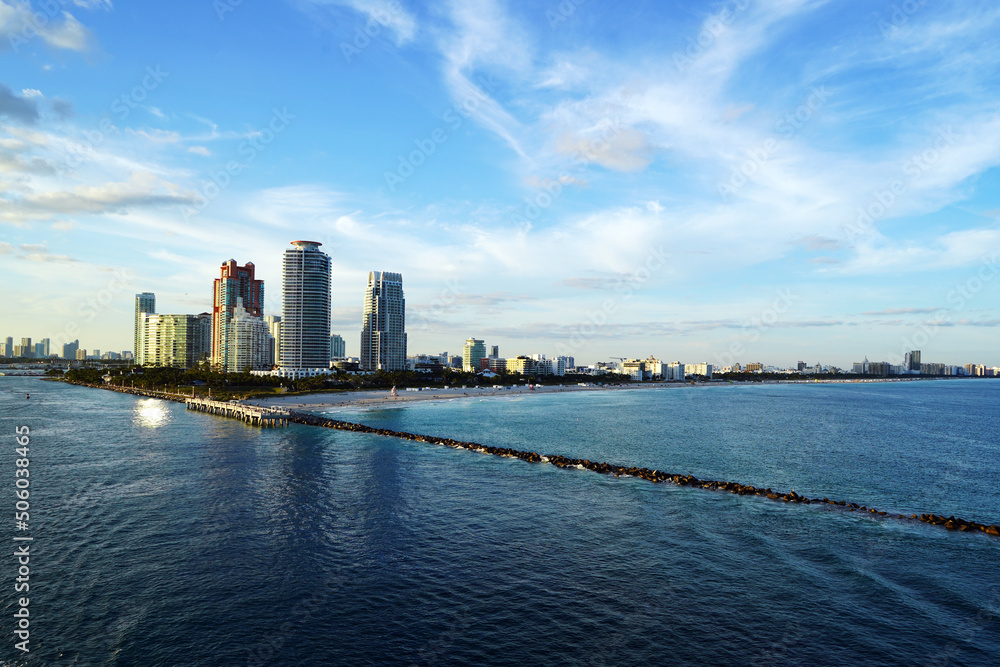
pixel 251 414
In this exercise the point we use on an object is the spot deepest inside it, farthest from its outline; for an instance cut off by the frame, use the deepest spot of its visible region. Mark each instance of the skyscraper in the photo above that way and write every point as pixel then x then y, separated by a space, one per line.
pixel 26 349
pixel 69 349
pixel 144 303
pixel 234 284
pixel 473 350
pixel 305 320
pixel 8 349
pixel 338 347
pixel 383 325
pixel 180 341
pixel 250 342
pixel 274 326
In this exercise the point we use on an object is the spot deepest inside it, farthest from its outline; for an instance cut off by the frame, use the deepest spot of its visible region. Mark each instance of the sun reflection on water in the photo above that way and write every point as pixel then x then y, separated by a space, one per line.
pixel 151 413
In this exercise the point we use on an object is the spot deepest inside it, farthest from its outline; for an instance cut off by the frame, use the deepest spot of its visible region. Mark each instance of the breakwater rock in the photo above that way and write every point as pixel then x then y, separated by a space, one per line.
pixel 656 476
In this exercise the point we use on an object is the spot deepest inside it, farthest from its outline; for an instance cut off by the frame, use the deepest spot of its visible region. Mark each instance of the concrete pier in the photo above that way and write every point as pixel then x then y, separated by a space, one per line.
pixel 251 414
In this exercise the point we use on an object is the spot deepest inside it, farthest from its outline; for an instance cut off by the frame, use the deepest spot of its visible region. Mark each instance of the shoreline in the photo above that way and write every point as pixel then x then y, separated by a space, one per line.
pixel 332 401
pixel 384 397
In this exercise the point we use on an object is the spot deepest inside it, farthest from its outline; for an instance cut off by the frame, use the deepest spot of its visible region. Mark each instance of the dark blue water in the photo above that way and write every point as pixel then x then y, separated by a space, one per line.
pixel 164 537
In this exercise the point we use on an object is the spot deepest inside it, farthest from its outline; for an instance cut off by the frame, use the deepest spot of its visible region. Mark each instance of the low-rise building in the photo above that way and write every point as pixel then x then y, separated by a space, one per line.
pixel 635 369
pixel 521 365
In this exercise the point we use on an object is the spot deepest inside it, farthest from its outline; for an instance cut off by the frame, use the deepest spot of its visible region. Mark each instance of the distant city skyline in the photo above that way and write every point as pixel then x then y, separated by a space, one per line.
pixel 753 182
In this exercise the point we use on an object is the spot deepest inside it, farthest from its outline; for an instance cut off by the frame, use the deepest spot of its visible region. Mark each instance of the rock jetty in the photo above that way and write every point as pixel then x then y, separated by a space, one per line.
pixel 656 476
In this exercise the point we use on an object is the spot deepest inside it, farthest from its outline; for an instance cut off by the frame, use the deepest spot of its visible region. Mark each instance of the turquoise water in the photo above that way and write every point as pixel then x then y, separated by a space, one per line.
pixel 169 537
pixel 913 448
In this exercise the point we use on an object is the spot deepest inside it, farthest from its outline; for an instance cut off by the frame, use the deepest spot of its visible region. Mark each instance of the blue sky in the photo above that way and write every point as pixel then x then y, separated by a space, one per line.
pixel 748 180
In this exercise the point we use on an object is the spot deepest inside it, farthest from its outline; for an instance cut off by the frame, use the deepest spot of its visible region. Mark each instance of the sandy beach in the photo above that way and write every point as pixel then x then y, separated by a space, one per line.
pixel 326 401
pixel 331 400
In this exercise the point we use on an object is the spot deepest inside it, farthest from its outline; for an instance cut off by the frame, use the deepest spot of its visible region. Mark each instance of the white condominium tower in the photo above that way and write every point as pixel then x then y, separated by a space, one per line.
pixel 144 303
pixel 305 320
pixel 250 342
pixel 383 327
pixel 472 352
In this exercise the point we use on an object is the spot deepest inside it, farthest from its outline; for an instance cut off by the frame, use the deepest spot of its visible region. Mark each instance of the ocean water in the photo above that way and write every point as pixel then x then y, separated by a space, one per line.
pixel 168 537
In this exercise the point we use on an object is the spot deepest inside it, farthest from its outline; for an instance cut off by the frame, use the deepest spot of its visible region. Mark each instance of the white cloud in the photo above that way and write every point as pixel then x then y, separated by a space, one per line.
pixel 966 247
pixel 37 252
pixel 93 4
pixel 70 34
pixel 20 23
pixel 390 14
pixel 142 189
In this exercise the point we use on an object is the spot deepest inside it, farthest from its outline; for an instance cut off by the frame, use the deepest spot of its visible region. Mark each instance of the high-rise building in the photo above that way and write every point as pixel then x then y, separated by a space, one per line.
pixel 180 341
pixel 474 350
pixel 236 283
pixel 305 320
pixel 274 326
pixel 700 369
pixel 81 355
pixel 42 348
pixel 383 325
pixel 911 361
pixel 338 347
pixel 250 345
pixel 495 351
pixel 144 303
pixel 8 348
pixel 69 349
pixel 26 349
pixel 201 345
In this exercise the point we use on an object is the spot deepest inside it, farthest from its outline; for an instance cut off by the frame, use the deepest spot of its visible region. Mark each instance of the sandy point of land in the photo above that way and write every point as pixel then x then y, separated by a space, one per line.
pixel 326 401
